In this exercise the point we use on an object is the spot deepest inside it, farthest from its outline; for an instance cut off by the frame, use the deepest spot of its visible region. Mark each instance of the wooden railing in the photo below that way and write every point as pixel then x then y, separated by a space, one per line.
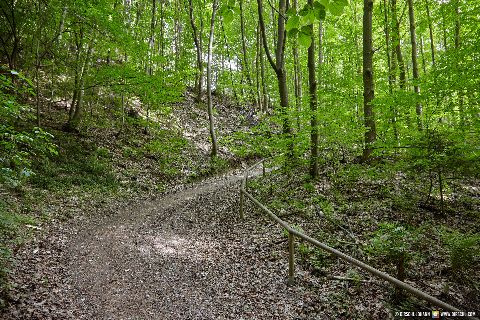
pixel 292 233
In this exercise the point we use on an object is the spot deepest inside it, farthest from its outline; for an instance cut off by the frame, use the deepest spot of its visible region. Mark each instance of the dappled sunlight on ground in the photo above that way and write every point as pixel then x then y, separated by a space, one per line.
pixel 173 245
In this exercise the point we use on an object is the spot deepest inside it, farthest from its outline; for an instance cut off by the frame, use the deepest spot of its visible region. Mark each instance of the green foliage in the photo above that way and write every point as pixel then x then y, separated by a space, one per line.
pixel 76 167
pixel 396 244
pixel 309 187
pixel 167 149
pixel 228 11
pixel 464 250
pixel 326 207
pixel 297 23
pixel 216 165
pixel 19 148
pixel 393 241
pixel 318 259
pixel 258 141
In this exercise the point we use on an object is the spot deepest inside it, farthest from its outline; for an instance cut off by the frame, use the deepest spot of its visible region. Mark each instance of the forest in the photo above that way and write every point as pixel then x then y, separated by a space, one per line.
pixel 126 128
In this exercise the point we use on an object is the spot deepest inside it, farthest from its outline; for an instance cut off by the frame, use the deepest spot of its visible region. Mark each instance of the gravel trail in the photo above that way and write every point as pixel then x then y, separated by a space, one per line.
pixel 186 255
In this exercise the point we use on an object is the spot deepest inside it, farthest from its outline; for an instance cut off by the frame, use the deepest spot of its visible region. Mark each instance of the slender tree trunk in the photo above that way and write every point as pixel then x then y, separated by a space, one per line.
pixel 227 47
pixel 391 72
pixel 430 30
pixel 457 25
pixel 209 82
pixel 387 45
pixel 461 98
pixel 37 60
pixel 396 42
pixel 281 72
pixel 312 88
pixel 79 106
pixel 394 64
pixel 358 67
pixel 320 51
pixel 245 65
pixel 162 35
pixel 11 44
pixel 272 18
pixel 258 52
pixel 413 40
pixel 262 71
pixel 297 75
pixel 152 38
pixel 230 64
pixel 77 70
pixel 368 84
pixel 444 28
pixel 61 26
pixel 198 46
pixel 279 67
pixel 422 54
pixel 177 36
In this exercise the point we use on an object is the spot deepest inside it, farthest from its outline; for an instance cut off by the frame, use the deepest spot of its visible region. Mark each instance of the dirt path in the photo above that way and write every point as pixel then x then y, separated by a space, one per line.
pixel 184 256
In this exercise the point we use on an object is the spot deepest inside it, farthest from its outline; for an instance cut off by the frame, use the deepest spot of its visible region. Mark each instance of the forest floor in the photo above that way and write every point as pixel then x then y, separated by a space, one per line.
pixel 185 255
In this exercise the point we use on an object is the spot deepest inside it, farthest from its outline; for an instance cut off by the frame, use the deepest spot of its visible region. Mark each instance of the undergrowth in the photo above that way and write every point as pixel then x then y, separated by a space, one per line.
pixel 375 212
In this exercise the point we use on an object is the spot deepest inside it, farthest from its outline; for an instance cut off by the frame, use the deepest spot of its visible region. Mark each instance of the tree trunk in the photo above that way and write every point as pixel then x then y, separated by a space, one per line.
pixel 209 82
pixel 75 119
pixel 37 60
pixel 312 88
pixel 396 42
pixel 272 18
pixel 279 67
pixel 198 46
pixel 227 47
pixel 77 69
pixel 245 65
pixel 178 31
pixel 12 43
pixel 387 45
pixel 444 29
pixel 320 51
pixel 422 54
pixel 162 35
pixel 258 52
pixel 368 84
pixel 282 75
pixel 297 75
pixel 461 98
pixel 430 29
pixel 413 40
pixel 262 71
pixel 391 71
pixel 358 67
pixel 152 38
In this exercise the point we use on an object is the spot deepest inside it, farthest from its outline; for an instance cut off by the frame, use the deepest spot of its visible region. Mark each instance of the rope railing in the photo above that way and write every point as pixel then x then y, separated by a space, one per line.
pixel 292 233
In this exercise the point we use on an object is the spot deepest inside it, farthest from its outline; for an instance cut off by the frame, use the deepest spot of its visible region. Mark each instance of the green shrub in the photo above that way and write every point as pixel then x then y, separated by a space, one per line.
pixel 464 250
pixel 19 147
pixel 318 259
pixel 395 244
